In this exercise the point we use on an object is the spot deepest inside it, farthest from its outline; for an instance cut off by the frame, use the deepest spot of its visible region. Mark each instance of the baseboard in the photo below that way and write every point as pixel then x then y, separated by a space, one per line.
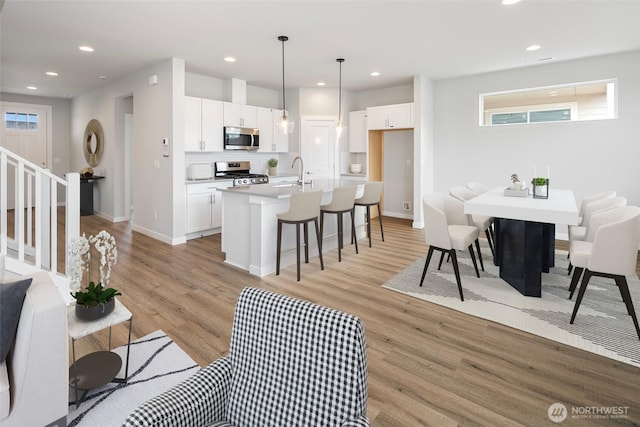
pixel 398 215
pixel 163 238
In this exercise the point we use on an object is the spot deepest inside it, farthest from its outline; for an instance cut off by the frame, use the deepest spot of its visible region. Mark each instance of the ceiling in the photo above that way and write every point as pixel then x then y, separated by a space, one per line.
pixel 399 39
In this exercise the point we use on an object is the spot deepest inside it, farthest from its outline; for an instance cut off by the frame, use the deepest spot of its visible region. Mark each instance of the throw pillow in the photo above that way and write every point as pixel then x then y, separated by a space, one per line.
pixel 11 299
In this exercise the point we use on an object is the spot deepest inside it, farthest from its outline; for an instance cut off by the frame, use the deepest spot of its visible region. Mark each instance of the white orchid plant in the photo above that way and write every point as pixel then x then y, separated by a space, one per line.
pixel 80 260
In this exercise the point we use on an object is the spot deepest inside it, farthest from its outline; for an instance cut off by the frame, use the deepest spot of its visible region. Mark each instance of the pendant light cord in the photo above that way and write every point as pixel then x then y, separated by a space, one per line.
pixel 340 96
pixel 284 102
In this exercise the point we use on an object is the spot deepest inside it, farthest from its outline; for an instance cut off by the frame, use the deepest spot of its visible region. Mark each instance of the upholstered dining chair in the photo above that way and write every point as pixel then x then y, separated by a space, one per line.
pixel 592 198
pixel 613 254
pixel 579 232
pixel 442 233
pixel 290 363
pixel 483 223
pixel 371 197
pixel 478 187
pixel 303 209
pixel 342 201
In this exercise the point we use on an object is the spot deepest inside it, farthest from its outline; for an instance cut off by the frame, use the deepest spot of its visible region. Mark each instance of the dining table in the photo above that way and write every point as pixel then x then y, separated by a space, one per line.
pixel 524 232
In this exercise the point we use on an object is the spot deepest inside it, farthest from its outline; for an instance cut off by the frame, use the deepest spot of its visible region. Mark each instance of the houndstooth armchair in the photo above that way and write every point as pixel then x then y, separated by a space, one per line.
pixel 290 363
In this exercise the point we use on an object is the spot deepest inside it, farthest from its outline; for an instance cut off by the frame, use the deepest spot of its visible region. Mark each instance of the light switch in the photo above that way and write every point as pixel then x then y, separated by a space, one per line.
pixel 156 164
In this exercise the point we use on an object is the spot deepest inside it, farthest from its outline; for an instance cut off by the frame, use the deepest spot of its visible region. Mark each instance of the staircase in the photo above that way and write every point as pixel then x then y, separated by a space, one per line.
pixel 33 243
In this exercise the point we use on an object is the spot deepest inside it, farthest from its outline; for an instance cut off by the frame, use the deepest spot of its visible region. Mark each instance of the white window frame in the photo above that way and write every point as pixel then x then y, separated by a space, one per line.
pixel 484 116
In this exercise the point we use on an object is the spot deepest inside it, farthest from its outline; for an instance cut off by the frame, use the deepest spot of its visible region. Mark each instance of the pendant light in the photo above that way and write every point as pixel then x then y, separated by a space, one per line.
pixel 339 127
pixel 285 125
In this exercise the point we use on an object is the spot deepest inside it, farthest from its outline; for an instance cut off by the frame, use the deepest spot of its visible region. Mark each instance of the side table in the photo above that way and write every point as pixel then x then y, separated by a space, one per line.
pixel 99 368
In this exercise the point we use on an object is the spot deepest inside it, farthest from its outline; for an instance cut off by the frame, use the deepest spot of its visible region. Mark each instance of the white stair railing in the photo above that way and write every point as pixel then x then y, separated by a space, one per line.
pixel 35 207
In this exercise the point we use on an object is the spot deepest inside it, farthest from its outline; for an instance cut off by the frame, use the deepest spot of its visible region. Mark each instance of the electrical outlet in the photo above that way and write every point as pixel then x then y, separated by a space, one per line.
pixel 406 206
pixel 155 215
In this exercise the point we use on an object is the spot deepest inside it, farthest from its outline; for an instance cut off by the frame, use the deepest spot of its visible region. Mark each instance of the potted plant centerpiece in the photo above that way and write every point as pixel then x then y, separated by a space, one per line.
pixel 540 188
pixel 95 300
pixel 273 166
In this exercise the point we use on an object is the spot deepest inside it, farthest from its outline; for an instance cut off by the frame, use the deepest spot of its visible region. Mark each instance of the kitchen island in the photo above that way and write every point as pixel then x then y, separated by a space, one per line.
pixel 249 223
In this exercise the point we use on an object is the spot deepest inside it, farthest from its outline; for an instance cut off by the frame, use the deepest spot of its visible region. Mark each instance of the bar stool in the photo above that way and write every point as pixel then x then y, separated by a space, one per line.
pixel 304 208
pixel 342 202
pixel 370 197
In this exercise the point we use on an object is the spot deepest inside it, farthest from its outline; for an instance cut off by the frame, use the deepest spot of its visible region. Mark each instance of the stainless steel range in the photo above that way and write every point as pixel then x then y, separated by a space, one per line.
pixel 240 172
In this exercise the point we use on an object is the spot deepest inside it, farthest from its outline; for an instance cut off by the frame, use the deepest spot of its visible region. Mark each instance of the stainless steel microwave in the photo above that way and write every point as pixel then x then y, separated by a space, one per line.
pixel 241 138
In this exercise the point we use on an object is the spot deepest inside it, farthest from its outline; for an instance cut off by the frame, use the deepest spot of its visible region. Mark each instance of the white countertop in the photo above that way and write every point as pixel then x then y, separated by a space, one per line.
pixel 207 181
pixel 559 208
pixel 285 189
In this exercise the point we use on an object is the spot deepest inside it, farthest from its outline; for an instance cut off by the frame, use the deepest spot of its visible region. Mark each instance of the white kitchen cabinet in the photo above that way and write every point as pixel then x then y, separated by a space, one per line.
pixel 358 131
pixel 204 208
pixel 398 116
pixel 271 141
pixel 203 125
pixel 240 115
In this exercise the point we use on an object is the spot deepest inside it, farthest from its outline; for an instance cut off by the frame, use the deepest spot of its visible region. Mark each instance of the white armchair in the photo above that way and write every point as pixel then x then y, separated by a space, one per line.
pixel 38 364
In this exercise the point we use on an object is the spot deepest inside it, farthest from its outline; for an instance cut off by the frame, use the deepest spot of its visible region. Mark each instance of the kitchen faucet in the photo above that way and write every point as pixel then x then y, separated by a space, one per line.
pixel 300 169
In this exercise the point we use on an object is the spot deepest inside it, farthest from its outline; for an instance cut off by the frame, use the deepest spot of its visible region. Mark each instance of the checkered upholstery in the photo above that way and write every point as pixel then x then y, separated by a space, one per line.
pixel 293 363
pixel 197 401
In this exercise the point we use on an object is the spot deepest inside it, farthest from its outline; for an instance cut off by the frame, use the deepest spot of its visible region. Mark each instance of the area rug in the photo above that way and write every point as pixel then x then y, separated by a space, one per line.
pixel 156 364
pixel 602 325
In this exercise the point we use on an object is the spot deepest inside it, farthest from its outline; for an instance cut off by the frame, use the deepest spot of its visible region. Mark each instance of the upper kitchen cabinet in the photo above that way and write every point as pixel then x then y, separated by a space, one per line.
pixel 271 141
pixel 398 116
pixel 240 115
pixel 202 124
pixel 358 131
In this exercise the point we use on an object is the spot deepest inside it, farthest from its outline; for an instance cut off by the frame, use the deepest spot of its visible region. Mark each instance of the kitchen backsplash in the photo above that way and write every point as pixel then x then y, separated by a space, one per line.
pixel 258 160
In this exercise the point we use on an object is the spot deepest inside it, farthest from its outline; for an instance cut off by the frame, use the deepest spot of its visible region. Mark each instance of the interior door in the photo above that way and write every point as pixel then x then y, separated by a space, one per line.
pixel 24 132
pixel 319 148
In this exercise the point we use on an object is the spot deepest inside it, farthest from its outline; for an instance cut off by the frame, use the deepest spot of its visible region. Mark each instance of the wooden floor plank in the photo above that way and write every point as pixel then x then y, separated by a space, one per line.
pixel 428 365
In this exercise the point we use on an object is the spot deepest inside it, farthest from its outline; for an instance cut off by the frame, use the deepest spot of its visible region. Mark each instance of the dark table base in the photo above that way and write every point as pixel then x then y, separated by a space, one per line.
pixel 523 250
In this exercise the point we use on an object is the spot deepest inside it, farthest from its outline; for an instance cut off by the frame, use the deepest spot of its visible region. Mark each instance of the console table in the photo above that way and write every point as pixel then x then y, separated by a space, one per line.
pixel 86 194
pixel 525 233
pixel 101 367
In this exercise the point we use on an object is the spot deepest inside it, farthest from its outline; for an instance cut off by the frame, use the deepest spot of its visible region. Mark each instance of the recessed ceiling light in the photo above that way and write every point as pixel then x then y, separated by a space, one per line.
pixel 375 74
pixel 321 83
pixel 32 88
pixel 102 77
pixel 533 47
pixel 509 2
pixel 51 73
pixel 230 59
pixel 86 48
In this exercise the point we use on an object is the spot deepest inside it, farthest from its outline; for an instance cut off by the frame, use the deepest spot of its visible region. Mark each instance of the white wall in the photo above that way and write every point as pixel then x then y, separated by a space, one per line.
pixel 158 193
pixel 587 156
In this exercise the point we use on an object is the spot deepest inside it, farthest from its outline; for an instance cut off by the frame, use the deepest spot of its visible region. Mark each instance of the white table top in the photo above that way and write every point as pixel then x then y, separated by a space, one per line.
pixel 81 328
pixel 559 208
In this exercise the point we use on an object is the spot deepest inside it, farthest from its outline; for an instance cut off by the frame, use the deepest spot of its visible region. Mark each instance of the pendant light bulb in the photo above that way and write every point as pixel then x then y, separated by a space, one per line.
pixel 339 128
pixel 284 124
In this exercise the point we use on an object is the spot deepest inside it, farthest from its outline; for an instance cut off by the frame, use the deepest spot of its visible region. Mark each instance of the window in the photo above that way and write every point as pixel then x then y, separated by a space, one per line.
pixel 564 103
pixel 21 121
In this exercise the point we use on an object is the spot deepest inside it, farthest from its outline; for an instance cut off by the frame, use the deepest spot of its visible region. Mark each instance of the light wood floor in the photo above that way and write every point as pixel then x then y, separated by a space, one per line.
pixel 428 365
